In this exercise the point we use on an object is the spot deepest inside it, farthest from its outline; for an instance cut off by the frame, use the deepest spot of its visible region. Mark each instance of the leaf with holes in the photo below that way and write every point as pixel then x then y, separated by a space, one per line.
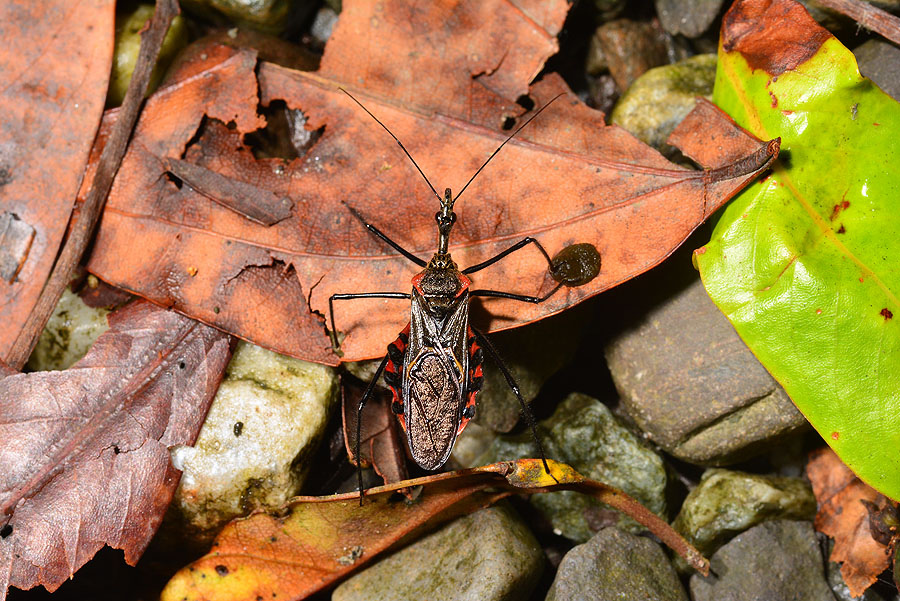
pixel 804 263
pixel 567 178
pixel 84 457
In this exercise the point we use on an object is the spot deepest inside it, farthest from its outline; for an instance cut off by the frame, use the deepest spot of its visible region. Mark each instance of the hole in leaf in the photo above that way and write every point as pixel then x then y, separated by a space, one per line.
pixel 525 101
pixel 6 531
pixel 508 123
pixel 285 135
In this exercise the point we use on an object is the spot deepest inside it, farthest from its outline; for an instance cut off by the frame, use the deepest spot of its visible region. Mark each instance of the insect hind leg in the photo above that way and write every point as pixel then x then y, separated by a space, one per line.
pixel 488 346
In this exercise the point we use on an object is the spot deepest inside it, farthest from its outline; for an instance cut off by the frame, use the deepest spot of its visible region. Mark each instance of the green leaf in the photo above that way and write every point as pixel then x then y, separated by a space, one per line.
pixel 805 262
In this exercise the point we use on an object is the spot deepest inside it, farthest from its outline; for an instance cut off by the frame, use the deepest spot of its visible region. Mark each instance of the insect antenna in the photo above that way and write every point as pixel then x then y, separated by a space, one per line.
pixel 419 169
pixel 493 154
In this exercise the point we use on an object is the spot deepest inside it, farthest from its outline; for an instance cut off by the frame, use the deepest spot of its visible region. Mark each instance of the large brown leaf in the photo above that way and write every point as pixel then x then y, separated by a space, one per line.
pixel 567 178
pixel 55 61
pixel 314 541
pixel 84 457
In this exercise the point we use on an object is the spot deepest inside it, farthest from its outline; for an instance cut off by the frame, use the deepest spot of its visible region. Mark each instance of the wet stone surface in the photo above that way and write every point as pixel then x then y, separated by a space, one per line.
pixel 690 18
pixel 775 560
pixel 726 503
pixel 690 382
pixel 616 565
pixel 268 415
pixel 584 433
pixel 660 98
pixel 487 556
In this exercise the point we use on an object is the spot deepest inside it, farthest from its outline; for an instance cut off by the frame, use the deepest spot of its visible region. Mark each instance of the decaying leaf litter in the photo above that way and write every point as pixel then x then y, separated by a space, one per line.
pixel 211 155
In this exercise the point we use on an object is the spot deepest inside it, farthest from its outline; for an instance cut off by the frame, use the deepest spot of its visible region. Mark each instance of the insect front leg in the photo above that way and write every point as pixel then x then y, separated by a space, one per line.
pixel 518 297
pixel 518 245
pixel 362 403
pixel 488 346
pixel 334 341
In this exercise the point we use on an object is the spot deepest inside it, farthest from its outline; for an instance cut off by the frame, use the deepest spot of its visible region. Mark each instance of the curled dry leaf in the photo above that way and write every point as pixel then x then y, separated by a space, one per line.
pixel 50 106
pixel 382 445
pixel 84 457
pixel 314 541
pixel 844 509
pixel 568 178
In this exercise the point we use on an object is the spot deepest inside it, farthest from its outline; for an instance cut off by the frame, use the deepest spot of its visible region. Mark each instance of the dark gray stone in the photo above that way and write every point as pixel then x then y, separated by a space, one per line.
pixel 690 383
pixel 583 433
pixel 532 353
pixel 627 49
pixel 726 503
pixel 880 61
pixel 616 565
pixel 775 561
pixel 690 18
pixel 487 556
pixel 660 98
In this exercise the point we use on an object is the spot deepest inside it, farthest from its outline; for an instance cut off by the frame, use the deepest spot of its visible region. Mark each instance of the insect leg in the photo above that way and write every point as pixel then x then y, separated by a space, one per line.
pixel 508 251
pixel 379 234
pixel 489 347
pixel 518 297
pixel 362 403
pixel 334 297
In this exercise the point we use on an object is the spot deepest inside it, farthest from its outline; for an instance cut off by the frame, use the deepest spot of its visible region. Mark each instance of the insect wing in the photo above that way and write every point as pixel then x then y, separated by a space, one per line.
pixel 434 372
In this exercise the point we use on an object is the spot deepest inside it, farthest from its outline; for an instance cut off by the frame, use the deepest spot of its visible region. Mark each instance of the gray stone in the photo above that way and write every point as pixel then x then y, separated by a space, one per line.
pixel 774 561
pixel 266 418
pixel 688 380
pixel 616 565
pixel 726 503
pixel 489 555
pixel 71 330
pixel 690 18
pixel 660 98
pixel 880 61
pixel 584 434
pixel 628 49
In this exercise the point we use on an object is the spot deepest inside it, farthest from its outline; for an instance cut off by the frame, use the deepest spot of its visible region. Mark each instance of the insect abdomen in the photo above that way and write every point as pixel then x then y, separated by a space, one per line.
pixel 393 373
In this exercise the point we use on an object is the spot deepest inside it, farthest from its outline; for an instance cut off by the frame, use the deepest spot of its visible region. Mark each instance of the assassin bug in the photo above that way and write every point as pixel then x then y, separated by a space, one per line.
pixel 434 367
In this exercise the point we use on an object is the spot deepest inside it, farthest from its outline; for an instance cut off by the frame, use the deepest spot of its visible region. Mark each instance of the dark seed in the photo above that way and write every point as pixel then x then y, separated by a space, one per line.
pixel 397 408
pixel 576 265
pixel 395 354
pixel 221 570
pixel 469 412
pixel 238 428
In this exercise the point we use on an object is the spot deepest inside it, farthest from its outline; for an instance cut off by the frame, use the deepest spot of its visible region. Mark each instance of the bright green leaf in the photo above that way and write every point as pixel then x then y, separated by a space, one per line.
pixel 805 262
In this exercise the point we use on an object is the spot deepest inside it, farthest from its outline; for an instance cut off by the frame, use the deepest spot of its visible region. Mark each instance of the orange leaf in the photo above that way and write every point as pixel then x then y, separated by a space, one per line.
pixel 844 516
pixel 567 178
pixel 315 541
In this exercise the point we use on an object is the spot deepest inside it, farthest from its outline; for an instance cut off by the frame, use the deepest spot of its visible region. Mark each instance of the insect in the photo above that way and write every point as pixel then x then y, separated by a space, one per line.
pixel 434 367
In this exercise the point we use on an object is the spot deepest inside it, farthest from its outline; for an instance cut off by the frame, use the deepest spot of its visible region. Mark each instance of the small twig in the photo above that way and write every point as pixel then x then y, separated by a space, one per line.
pixel 870 17
pixel 110 159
